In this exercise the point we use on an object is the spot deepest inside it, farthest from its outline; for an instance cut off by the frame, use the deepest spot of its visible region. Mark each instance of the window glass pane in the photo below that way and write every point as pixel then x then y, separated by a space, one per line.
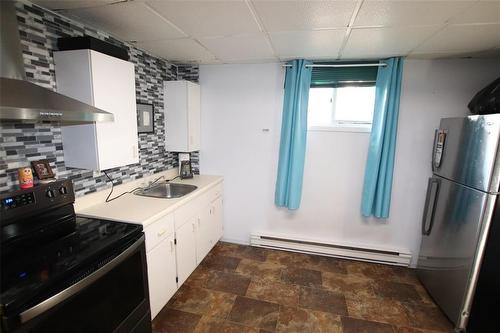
pixel 343 107
pixel 354 104
pixel 319 112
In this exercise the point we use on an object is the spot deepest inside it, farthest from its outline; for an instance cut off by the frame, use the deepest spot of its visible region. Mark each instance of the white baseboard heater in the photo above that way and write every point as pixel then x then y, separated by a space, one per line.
pixel 384 256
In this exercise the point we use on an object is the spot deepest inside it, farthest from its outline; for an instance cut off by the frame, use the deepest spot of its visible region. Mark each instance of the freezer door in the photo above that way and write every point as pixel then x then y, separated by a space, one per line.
pixel 450 231
pixel 465 151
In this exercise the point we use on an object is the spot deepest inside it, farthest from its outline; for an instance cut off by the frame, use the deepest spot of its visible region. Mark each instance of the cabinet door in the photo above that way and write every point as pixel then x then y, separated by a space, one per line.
pixel 114 91
pixel 217 218
pixel 194 117
pixel 161 274
pixel 204 241
pixel 74 79
pixel 176 119
pixel 186 249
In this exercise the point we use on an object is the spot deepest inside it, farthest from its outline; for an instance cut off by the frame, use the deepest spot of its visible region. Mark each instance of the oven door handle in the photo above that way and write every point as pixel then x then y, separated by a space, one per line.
pixel 80 285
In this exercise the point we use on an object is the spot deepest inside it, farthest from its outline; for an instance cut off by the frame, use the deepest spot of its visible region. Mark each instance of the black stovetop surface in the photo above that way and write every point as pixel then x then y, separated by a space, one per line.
pixel 33 271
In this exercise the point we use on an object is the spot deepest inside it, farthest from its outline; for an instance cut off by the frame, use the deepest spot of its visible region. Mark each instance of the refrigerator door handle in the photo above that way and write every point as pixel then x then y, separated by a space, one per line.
pixel 430 206
pixel 434 150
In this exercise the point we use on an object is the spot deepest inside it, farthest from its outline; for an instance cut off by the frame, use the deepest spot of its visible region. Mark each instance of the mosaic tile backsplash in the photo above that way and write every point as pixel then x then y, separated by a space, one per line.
pixel 22 143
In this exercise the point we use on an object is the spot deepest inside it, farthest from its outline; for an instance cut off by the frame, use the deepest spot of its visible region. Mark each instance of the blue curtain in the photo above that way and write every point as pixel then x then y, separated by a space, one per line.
pixel 293 135
pixel 377 186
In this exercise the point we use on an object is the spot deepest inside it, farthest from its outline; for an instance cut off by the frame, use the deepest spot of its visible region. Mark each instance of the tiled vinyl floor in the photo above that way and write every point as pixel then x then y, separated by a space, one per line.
pixel 244 289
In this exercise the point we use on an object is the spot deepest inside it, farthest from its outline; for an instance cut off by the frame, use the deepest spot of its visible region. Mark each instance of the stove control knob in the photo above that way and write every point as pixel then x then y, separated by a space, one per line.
pixel 63 190
pixel 50 193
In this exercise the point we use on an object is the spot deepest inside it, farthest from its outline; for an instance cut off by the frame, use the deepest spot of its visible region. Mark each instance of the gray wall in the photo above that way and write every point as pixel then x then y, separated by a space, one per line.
pixel 335 161
pixel 22 143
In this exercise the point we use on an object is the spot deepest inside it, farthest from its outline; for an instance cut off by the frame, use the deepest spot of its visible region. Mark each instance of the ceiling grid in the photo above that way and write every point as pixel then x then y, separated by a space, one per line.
pixel 349 28
pixel 243 31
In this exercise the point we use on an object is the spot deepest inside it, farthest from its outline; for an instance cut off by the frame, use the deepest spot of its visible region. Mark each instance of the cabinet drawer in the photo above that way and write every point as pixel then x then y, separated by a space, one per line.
pixel 159 230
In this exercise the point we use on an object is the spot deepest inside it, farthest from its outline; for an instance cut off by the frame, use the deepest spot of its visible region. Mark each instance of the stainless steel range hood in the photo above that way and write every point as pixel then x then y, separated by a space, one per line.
pixel 24 101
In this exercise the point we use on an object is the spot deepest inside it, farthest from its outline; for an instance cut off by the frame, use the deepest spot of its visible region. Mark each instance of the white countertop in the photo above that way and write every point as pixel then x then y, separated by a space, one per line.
pixel 144 210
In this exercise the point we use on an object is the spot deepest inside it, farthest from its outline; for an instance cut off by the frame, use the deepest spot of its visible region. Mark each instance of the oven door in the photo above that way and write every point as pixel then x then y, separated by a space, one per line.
pixel 113 298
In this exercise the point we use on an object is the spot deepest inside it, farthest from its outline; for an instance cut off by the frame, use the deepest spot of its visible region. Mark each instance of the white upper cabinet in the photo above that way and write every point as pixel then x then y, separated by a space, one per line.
pixel 107 83
pixel 182 116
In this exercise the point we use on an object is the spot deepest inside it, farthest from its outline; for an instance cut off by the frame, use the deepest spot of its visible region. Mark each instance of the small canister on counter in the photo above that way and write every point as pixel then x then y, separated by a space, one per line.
pixel 25 176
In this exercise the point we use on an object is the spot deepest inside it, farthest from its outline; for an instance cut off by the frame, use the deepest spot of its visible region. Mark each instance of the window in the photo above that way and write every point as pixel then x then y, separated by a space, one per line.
pixel 342 98
pixel 345 107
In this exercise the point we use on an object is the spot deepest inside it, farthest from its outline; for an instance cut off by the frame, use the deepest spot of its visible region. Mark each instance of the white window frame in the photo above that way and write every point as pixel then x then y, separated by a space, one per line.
pixel 342 125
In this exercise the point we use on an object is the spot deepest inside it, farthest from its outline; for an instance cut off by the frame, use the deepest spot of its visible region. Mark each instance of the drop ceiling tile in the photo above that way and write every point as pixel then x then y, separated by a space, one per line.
pixel 128 21
pixel 308 44
pixel 208 18
pixel 384 42
pixel 65 4
pixel 239 48
pixel 408 13
pixel 489 54
pixel 251 61
pixel 304 15
pixel 180 50
pixel 480 12
pixel 459 38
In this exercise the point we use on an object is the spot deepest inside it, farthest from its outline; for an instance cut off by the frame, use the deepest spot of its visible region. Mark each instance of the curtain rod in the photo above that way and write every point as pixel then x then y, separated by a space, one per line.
pixel 383 64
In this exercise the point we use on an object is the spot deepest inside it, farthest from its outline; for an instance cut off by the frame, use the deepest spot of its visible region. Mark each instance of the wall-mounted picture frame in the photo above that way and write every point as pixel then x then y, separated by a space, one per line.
pixel 42 169
pixel 145 118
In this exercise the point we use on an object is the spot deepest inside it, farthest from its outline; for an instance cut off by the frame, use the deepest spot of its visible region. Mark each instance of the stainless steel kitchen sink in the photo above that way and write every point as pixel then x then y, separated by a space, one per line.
pixel 166 190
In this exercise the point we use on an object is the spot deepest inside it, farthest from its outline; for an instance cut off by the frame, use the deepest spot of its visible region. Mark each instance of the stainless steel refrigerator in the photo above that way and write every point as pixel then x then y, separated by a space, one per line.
pixel 459 257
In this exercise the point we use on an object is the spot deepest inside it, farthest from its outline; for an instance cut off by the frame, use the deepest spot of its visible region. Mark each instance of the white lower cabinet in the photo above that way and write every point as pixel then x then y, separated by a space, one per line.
pixel 186 249
pixel 161 274
pixel 216 215
pixel 209 228
pixel 173 255
pixel 204 233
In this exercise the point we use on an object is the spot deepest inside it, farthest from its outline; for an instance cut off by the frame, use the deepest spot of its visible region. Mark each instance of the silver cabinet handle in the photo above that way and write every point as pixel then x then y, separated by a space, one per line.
pixel 80 285
pixel 172 246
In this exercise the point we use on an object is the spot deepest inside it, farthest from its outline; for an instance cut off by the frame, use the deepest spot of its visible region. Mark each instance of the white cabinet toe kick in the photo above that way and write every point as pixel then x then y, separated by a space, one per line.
pixel 177 243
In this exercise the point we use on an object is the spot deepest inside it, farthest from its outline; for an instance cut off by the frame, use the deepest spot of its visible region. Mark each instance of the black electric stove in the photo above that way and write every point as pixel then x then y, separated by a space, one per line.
pixel 57 268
